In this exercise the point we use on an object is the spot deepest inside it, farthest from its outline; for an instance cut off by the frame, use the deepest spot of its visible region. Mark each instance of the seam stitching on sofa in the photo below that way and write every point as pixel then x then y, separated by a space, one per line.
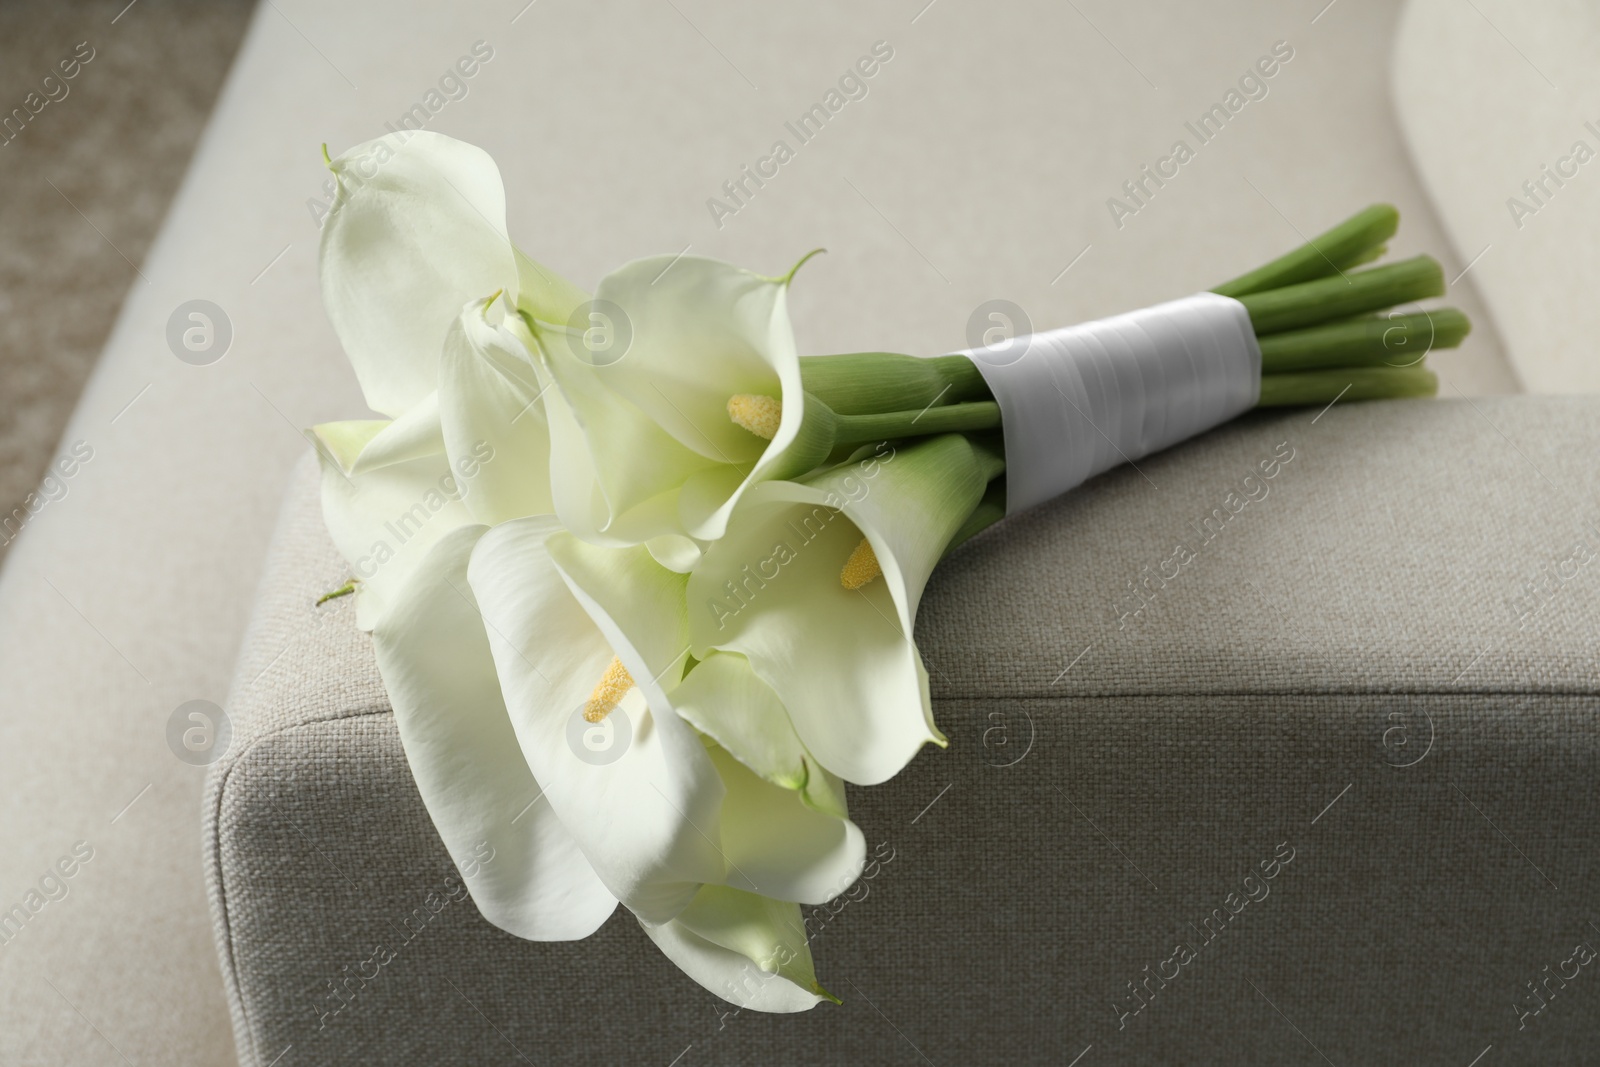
pixel 231 963
pixel 231 968
pixel 1208 694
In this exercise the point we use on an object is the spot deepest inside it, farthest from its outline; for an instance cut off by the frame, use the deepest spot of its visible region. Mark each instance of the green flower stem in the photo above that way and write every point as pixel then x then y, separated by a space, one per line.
pixel 1309 303
pixel 1370 255
pixel 990 510
pixel 1312 285
pixel 990 448
pixel 825 437
pixel 1357 383
pixel 344 590
pixel 891 425
pixel 1398 340
pixel 1358 239
pixel 861 383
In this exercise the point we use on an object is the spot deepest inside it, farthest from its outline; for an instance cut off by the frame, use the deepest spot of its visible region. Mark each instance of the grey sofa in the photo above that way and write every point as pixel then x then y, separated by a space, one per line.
pixel 947 187
pixel 1282 748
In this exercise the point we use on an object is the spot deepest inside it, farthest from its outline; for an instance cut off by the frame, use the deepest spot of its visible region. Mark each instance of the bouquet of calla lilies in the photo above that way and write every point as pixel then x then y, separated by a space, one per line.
pixel 642 580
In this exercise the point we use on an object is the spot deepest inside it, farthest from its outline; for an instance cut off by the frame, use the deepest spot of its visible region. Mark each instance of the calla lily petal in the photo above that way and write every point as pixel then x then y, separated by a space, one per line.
pixel 492 417
pixel 341 443
pixel 635 602
pixel 854 686
pixel 824 790
pixel 647 817
pixel 723 699
pixel 779 846
pixel 615 474
pixel 674 552
pixel 385 518
pixel 417 228
pixel 414 435
pixel 654 417
pixel 772 842
pixel 727 701
pixel 747 949
pixel 524 870
pixel 545 295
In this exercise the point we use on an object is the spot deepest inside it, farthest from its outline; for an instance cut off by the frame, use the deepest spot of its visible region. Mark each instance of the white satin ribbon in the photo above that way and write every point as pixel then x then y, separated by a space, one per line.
pixel 1077 401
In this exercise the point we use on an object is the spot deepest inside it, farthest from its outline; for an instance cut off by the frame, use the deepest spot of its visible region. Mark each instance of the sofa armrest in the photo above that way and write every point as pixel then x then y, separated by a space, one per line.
pixel 1326 779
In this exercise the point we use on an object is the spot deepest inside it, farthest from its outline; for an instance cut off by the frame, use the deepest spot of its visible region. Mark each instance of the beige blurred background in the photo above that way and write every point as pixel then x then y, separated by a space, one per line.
pixel 87 184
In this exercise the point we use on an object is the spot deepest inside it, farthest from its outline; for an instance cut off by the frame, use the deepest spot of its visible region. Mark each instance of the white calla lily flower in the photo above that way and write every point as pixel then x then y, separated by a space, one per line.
pixel 388 496
pixel 702 849
pixel 523 867
pixel 417 229
pixel 665 814
pixel 776 842
pixel 749 950
pixel 778 589
pixel 646 810
pixel 643 445
pixel 416 232
pixel 725 700
pixel 507 644
pixel 490 403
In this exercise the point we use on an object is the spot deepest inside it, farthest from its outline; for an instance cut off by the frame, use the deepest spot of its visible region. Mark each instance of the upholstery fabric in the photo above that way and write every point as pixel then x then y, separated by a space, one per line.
pixel 1348 673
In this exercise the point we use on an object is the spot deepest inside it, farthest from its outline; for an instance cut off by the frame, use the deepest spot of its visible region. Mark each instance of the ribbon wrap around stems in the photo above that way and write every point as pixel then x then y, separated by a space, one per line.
pixel 1077 401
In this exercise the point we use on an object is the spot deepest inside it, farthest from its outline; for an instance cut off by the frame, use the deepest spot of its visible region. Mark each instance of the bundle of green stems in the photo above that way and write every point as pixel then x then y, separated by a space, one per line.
pixel 1323 314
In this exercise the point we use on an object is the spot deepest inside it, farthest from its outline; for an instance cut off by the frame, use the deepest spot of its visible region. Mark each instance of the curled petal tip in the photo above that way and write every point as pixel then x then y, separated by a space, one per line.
pixel 787 278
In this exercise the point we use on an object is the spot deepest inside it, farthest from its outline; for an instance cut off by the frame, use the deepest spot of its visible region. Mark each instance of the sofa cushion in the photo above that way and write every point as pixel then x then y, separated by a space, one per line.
pixel 1329 787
